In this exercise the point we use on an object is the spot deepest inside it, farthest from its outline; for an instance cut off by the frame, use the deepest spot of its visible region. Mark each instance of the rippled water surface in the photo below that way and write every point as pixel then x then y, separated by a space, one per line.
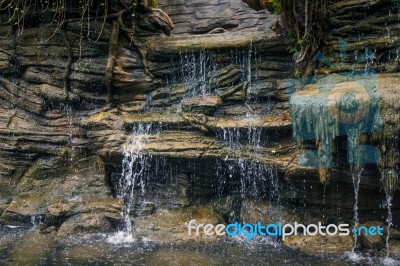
pixel 28 247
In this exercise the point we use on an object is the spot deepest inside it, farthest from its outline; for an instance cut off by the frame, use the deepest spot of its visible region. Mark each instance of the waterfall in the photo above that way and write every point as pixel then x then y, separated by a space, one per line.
pixel 134 166
pixel 67 109
pixel 356 176
pixel 389 221
pixel 194 71
pixel 68 112
pixel 200 73
pixel 256 179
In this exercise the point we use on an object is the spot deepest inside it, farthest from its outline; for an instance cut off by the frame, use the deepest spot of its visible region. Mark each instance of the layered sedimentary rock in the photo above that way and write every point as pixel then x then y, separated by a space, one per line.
pixel 217 94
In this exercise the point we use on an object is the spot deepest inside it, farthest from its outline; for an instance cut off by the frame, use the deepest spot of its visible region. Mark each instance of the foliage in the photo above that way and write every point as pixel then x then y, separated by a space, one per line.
pixel 153 3
pixel 276 4
pixel 20 11
pixel 306 22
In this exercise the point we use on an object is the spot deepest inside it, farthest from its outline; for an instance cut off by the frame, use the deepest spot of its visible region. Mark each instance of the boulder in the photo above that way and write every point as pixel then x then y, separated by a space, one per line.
pixel 84 223
pixel 51 192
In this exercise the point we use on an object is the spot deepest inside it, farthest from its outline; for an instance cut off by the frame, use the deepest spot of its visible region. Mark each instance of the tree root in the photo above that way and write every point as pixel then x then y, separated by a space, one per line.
pixel 112 53
pixel 130 33
pixel 6 52
pixel 68 66
pixel 117 27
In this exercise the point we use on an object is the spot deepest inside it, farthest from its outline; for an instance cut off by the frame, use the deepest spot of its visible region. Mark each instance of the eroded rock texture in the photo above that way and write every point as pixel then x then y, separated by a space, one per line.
pixel 217 93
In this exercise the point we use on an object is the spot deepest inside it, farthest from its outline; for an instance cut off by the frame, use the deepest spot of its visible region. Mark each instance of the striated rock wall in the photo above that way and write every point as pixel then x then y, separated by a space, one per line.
pixel 201 17
pixel 217 92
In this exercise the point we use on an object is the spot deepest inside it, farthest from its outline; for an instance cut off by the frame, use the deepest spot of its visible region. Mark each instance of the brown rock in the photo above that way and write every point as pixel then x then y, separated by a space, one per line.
pixel 319 245
pixel 371 242
pixel 202 104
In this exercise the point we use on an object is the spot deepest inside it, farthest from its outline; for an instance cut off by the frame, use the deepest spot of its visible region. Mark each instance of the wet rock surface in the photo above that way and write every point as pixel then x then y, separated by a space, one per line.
pixel 320 245
pixel 221 103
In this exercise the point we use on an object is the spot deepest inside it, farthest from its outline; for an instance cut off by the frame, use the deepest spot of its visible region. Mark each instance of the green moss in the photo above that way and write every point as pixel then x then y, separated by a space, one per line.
pixel 153 3
pixel 277 6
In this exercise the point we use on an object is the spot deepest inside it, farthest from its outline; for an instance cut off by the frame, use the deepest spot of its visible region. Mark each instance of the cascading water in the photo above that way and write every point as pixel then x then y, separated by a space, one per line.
pixel 202 73
pixel 67 109
pixel 195 69
pixel 134 166
pixel 389 221
pixel 69 115
pixel 256 179
pixel 356 176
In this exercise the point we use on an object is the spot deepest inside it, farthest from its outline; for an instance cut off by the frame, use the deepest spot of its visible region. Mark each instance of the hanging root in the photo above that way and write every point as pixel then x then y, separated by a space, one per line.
pixel 143 55
pixel 112 53
pixel 130 34
pixel 7 53
pixel 68 66
pixel 306 21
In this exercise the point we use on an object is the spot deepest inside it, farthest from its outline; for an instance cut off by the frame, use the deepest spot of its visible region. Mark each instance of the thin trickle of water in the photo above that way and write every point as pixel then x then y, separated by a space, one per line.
pixel 356 176
pixel 256 179
pixel 68 112
pixel 249 98
pixel 195 68
pixel 389 221
pixel 36 220
pixel 194 71
pixel 234 137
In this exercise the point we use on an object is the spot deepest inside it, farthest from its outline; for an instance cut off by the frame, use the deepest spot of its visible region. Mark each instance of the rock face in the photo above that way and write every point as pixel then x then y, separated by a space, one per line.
pixel 172 225
pixel 59 191
pixel 219 109
pixel 202 104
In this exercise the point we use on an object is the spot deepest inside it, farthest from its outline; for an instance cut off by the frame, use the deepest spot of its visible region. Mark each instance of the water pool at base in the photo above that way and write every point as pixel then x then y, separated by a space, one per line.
pixel 29 247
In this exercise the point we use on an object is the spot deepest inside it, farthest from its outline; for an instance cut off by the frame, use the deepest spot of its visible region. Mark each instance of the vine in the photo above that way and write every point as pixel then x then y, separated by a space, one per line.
pixel 111 60
pixel 305 21
pixel 69 63
pixel 20 11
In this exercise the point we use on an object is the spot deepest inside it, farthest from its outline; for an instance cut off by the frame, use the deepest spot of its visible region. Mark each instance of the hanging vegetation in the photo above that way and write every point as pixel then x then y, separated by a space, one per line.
pixel 124 18
pixel 305 21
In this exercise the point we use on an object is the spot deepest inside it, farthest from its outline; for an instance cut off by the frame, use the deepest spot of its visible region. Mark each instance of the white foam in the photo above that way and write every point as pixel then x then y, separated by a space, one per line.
pixel 354 257
pixel 390 262
pixel 14 226
pixel 121 238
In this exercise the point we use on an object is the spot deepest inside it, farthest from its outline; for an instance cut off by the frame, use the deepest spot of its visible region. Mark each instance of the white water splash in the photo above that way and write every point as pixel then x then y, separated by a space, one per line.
pixel 354 257
pixel 390 262
pixel 134 165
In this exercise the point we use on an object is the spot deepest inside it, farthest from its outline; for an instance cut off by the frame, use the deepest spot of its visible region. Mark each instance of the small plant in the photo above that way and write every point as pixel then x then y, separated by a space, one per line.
pixel 150 3
pixel 153 3
pixel 276 4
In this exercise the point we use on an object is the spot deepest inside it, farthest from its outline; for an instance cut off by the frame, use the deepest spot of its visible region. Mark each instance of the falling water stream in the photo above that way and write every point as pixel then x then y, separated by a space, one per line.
pixel 133 166
pixel 389 221
pixel 356 176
